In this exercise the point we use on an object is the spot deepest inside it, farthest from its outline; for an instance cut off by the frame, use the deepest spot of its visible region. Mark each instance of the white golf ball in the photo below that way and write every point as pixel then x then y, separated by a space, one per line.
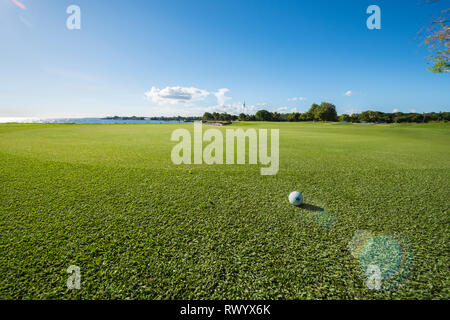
pixel 296 198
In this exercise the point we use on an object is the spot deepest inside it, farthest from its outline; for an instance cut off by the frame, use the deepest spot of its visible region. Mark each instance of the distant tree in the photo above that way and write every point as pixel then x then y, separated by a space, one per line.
pixel 432 116
pixel 415 117
pixel 283 116
pixel 368 116
pixel 207 116
pixel 344 117
pixel 446 116
pixel 276 116
pixel 384 117
pixel 291 117
pixel 294 116
pixel 263 115
pixel 326 112
pixel 224 117
pixel 313 110
pixel 354 118
pixel 307 116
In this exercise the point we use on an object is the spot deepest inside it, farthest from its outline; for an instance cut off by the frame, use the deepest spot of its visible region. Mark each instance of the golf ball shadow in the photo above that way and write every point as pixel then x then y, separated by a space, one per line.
pixel 325 219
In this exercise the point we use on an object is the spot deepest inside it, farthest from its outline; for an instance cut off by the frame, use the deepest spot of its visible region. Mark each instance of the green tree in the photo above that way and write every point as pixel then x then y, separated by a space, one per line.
pixel 326 112
pixel 295 116
pixel 354 118
pixel 437 38
pixel 368 116
pixel 306 117
pixel 263 115
pixel 225 117
pixel 344 117
pixel 207 116
pixel 313 111
pixel 276 116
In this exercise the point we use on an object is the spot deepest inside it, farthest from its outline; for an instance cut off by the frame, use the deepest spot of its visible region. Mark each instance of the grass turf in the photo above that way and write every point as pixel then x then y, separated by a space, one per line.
pixel 108 199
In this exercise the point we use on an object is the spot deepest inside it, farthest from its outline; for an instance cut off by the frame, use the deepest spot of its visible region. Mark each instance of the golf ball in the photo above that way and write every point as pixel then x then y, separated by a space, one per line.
pixel 295 198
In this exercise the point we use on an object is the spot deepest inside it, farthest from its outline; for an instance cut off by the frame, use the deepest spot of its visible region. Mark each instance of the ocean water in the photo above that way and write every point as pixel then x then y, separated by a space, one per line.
pixel 79 120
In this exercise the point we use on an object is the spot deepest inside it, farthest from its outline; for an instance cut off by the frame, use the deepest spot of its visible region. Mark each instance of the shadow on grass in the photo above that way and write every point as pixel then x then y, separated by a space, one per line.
pixel 311 207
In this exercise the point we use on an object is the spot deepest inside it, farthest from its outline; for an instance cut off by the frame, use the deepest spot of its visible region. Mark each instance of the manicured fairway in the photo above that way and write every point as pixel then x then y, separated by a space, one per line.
pixel 108 199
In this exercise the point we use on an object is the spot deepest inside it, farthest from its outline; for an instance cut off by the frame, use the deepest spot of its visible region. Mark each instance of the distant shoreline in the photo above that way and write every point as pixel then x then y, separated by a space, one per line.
pixel 85 120
pixel 181 119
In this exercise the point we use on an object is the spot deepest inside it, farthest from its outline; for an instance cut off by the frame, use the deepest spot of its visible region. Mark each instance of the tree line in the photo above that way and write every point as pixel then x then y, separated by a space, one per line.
pixel 327 112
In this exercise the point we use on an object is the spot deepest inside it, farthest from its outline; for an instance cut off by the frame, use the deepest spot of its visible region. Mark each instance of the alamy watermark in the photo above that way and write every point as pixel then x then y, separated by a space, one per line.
pixel 385 259
pixel 373 273
pixel 73 22
pixel 74 281
pixel 213 153
pixel 374 20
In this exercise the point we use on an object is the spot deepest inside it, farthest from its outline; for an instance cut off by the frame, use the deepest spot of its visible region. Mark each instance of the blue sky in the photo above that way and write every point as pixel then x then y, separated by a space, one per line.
pixel 186 57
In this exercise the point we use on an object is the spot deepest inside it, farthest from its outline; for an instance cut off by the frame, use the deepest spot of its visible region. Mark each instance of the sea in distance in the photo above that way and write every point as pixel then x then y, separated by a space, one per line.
pixel 81 120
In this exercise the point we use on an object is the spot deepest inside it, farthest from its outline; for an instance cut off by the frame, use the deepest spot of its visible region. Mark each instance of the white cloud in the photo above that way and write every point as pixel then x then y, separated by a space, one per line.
pixel 190 101
pixel 234 108
pixel 184 95
pixel 395 111
pixel 297 99
pixel 252 109
pixel 220 95
pixel 282 109
pixel 349 93
pixel 413 111
pixel 176 95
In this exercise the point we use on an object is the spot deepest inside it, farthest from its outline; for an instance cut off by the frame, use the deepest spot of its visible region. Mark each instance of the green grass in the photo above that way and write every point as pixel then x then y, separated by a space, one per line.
pixel 108 199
